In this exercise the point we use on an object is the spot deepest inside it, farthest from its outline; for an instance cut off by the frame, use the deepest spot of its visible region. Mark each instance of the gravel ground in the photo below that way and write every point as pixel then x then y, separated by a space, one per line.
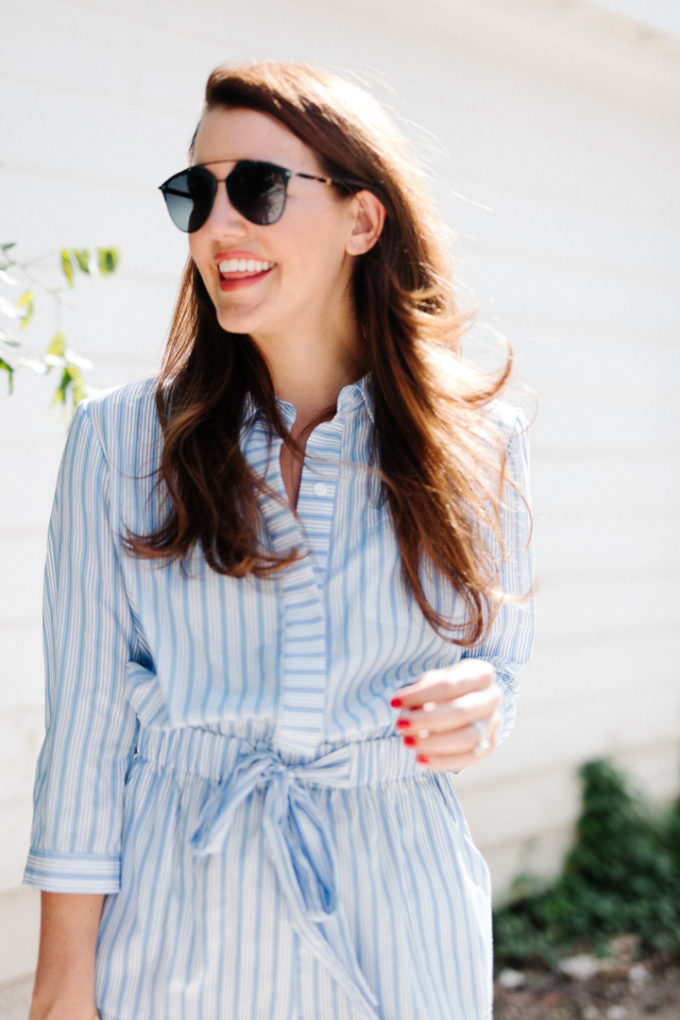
pixel 545 996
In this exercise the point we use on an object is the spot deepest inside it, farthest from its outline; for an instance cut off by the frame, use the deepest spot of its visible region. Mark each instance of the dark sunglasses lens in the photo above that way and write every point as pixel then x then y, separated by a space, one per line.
pixel 258 191
pixel 189 197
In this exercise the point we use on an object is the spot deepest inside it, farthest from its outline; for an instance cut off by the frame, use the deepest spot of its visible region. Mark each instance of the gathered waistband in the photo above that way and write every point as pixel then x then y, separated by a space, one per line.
pixel 215 756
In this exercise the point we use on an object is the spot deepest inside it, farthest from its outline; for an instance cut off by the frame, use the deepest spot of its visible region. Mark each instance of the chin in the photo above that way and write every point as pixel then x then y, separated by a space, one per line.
pixel 233 322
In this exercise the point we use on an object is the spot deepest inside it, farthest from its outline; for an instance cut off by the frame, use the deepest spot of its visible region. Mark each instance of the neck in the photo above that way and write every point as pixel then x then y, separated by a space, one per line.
pixel 310 369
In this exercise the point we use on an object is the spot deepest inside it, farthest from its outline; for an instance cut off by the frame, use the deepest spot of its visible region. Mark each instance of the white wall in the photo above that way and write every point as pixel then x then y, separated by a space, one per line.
pixel 661 15
pixel 551 133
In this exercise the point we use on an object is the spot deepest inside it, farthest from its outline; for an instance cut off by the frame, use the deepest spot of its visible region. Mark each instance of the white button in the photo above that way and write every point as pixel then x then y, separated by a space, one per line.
pixel 320 489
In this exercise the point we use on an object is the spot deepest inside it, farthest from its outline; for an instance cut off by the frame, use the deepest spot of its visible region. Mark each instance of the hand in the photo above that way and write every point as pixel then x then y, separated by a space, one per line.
pixel 451 717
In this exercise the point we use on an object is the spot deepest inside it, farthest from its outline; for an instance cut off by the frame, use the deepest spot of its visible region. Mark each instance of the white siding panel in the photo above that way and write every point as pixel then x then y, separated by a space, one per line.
pixel 641 484
pixel 22 555
pixel 19 921
pixel 21 655
pixel 21 731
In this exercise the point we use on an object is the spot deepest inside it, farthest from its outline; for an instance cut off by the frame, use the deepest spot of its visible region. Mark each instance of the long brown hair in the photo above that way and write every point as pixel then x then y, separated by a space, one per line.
pixel 441 459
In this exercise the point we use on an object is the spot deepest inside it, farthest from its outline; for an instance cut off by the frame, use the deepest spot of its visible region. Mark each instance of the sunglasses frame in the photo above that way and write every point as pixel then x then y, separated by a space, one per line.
pixel 286 174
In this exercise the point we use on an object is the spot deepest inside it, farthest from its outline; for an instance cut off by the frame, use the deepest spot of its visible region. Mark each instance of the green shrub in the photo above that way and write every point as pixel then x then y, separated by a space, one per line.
pixel 622 875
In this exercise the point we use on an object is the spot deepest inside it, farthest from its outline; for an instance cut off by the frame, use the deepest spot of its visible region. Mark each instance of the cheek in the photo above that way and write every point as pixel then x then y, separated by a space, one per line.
pixel 314 237
pixel 320 258
pixel 195 250
pixel 204 265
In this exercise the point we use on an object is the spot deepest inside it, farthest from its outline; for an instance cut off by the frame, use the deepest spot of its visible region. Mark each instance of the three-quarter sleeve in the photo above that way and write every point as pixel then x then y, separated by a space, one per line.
pixel 89 637
pixel 509 642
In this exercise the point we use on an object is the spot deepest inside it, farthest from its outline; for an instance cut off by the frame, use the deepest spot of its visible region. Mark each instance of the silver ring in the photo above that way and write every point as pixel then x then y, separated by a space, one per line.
pixel 483 733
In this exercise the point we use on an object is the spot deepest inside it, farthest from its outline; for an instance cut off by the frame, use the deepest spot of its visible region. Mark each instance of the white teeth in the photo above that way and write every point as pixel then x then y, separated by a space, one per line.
pixel 244 266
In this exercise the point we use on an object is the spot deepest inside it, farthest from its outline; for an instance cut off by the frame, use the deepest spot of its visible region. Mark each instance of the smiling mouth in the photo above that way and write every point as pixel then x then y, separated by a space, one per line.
pixel 238 269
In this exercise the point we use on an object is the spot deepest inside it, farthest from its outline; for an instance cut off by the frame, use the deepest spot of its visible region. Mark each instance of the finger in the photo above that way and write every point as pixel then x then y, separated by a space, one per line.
pixel 458 753
pixel 462 741
pixel 452 762
pixel 451 715
pixel 444 685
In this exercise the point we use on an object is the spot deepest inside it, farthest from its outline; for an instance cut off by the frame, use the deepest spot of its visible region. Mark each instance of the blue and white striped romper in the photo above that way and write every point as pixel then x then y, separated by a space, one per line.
pixel 221 757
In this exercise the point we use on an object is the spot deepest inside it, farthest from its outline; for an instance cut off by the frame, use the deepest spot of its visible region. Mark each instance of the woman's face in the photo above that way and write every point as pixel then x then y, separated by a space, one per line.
pixel 301 280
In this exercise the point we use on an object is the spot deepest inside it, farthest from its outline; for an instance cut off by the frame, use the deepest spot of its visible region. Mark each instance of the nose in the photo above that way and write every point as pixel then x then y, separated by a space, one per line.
pixel 224 220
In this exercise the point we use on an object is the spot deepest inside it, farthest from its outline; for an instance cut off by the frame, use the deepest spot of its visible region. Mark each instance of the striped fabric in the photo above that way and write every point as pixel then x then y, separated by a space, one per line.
pixel 220 754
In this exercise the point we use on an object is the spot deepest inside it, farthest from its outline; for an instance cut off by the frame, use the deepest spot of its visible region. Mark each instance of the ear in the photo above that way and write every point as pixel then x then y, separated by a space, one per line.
pixel 369 219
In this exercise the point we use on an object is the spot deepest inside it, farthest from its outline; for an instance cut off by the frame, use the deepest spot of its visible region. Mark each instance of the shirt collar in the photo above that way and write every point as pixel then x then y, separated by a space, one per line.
pixel 350 398
pixel 356 395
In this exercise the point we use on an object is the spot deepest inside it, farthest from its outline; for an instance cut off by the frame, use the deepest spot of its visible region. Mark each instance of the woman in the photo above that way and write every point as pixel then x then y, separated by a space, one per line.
pixel 279 612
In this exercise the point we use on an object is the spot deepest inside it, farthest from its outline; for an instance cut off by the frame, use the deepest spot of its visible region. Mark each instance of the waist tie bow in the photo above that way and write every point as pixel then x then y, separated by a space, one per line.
pixel 301 852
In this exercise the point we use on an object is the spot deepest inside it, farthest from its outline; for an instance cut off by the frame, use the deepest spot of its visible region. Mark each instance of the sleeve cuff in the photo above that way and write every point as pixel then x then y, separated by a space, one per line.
pixel 72 873
pixel 507 707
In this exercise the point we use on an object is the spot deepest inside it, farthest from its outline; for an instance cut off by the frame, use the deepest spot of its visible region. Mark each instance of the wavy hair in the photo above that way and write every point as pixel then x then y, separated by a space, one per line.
pixel 440 458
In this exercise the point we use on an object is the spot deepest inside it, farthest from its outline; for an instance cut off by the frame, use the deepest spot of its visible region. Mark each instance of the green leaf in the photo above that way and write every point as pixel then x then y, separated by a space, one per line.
pixel 58 345
pixel 26 302
pixel 60 392
pixel 75 374
pixel 6 367
pixel 107 260
pixel 77 385
pixel 82 257
pixel 78 392
pixel 7 245
pixel 71 379
pixel 67 266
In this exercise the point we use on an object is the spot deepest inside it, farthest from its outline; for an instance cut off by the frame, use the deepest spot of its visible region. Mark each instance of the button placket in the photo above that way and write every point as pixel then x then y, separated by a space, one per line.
pixel 303 660
pixel 318 490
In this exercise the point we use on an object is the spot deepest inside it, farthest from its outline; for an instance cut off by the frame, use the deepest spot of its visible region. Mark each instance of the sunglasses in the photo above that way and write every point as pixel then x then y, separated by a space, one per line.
pixel 257 191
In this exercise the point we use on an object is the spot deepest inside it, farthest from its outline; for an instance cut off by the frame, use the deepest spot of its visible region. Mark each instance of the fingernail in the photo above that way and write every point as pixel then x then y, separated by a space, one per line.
pixel 402 724
pixel 396 702
pixel 422 759
pixel 410 741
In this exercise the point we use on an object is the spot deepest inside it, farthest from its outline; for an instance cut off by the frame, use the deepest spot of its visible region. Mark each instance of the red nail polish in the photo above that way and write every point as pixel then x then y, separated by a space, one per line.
pixel 410 741
pixel 396 702
pixel 421 758
pixel 402 724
